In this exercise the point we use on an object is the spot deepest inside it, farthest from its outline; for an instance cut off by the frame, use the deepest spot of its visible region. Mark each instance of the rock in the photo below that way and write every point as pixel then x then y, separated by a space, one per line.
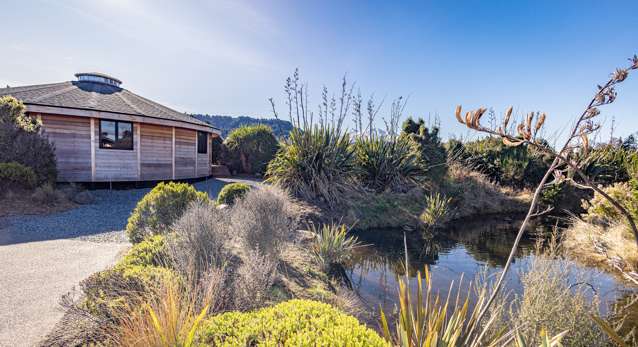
pixel 83 198
pixel 222 206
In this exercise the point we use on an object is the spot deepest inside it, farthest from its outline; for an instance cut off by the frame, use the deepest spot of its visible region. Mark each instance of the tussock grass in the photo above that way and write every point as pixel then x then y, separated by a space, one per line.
pixel 601 245
pixel 556 297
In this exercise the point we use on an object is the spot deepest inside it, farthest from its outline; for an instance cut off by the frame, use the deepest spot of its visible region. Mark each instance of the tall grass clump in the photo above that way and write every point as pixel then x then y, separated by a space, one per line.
pixel 388 163
pixel 314 163
pixel 171 317
pixel 556 297
pixel 332 245
pixel 425 319
pixel 437 209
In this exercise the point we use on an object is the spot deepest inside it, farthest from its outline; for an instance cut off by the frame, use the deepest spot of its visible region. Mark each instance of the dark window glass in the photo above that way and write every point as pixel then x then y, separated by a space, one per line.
pixel 116 135
pixel 107 134
pixel 202 142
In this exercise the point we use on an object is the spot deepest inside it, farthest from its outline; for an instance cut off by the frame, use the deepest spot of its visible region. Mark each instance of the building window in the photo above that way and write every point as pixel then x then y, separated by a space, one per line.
pixel 202 142
pixel 116 134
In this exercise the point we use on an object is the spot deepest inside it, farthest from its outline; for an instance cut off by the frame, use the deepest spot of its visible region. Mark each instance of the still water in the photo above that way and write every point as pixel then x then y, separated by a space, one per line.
pixel 470 248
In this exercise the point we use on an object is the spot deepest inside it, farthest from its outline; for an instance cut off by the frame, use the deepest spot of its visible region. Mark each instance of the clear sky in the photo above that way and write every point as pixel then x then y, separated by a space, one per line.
pixel 229 57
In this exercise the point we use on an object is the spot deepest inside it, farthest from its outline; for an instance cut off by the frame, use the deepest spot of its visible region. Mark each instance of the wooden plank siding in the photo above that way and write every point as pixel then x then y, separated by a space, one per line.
pixel 115 164
pixel 71 137
pixel 156 152
pixel 203 160
pixel 185 149
pixel 154 155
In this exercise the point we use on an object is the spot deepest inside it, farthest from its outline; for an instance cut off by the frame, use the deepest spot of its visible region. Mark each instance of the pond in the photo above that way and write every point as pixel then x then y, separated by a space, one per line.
pixel 471 248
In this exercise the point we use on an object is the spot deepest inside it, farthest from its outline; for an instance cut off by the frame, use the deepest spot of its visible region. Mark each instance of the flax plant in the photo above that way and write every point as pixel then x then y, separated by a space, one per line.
pixel 332 244
pixel 426 320
pixel 565 166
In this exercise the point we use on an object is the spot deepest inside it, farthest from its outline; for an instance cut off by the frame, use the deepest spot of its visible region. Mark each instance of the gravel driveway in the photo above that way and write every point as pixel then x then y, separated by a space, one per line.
pixel 44 257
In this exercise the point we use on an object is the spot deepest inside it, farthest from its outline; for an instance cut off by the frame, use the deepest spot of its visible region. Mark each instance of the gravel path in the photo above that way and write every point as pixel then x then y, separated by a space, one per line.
pixel 44 257
pixel 100 221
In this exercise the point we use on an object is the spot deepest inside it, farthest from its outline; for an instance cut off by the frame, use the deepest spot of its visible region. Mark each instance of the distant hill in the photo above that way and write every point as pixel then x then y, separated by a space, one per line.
pixel 226 123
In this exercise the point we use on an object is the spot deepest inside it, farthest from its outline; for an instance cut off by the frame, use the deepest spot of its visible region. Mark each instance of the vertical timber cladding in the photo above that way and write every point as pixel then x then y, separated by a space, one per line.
pixel 203 160
pixel 156 152
pixel 185 153
pixel 115 164
pixel 72 139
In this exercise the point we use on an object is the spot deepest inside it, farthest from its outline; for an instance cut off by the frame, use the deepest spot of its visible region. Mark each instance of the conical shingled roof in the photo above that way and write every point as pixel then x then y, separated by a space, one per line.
pixel 91 95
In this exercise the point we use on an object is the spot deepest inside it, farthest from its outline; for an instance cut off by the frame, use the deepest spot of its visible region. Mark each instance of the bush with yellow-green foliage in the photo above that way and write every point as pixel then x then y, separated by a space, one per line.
pixel 599 208
pixel 137 274
pixel 150 252
pixel 160 208
pixel 291 323
pixel 16 175
pixel 231 192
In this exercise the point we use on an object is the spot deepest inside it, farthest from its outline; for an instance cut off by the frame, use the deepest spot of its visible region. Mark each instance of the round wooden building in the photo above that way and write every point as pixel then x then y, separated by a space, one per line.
pixel 105 133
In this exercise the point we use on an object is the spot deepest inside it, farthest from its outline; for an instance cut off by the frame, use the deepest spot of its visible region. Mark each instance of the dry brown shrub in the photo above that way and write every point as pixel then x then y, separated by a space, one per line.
pixel 263 220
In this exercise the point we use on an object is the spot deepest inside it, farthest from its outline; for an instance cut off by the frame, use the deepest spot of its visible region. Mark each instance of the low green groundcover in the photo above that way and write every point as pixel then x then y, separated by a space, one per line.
pixel 291 323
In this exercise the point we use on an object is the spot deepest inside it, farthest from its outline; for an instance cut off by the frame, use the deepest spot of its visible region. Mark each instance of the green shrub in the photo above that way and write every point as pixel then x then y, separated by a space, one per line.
pixel 109 293
pixel 609 164
pixel 291 323
pixel 388 164
pixel 433 153
pixel 150 252
pixel 250 148
pixel 626 193
pixel 316 163
pixel 218 150
pixel 521 166
pixel 14 174
pixel 13 111
pixel 160 208
pixel 232 192
pixel 21 142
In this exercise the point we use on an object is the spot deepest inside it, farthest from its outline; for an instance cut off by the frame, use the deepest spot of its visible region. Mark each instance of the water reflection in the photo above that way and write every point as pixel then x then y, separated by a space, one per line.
pixel 469 248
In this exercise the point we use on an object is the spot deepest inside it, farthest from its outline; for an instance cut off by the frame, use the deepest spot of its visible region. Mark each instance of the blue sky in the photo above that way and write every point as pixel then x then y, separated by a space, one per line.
pixel 229 57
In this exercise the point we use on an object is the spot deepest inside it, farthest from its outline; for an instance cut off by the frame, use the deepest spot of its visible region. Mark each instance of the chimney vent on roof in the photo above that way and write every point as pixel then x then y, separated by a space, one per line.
pixel 96 77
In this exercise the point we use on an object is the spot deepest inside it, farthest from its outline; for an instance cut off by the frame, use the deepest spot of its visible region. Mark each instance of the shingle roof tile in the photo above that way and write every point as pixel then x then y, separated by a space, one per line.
pixel 95 96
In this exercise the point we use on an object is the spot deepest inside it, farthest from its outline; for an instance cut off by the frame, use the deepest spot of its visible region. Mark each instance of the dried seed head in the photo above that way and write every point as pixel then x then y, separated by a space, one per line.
pixel 457 113
pixel 508 114
pixel 585 140
pixel 528 121
pixel 476 119
pixel 540 122
pixel 509 143
pixel 620 75
pixel 592 112
pixel 521 129
pixel 634 62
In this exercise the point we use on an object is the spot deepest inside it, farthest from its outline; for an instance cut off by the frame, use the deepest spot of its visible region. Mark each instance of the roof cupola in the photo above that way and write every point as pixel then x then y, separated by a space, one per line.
pixel 96 77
